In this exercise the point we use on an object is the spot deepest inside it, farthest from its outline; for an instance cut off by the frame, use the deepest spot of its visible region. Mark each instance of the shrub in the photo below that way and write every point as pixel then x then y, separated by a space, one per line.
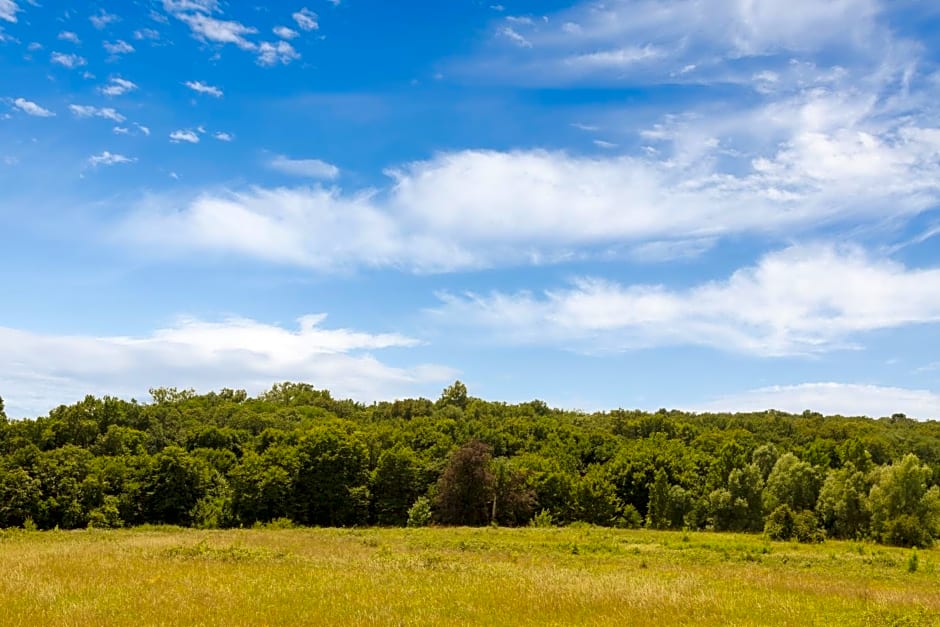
pixel 419 515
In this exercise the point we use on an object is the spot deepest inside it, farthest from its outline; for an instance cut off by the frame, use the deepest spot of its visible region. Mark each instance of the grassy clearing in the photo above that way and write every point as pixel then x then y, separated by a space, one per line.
pixel 446 576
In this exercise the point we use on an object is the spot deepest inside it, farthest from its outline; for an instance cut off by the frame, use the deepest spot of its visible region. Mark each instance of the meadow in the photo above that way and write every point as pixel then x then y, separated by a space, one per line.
pixel 578 575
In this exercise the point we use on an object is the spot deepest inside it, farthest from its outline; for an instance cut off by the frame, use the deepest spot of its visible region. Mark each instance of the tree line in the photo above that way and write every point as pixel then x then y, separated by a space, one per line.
pixel 296 455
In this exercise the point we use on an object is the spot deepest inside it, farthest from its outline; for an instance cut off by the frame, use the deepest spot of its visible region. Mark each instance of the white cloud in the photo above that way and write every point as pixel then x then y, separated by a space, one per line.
pixel 219 31
pixel 118 47
pixel 222 136
pixel 659 40
pixel 118 86
pixel 274 53
pixel 41 371
pixel 306 19
pixel 70 61
pixel 512 35
pixel 143 129
pixel 103 19
pixel 204 88
pixel 802 300
pixel 8 10
pixel 108 158
pixel 86 111
pixel 146 33
pixel 184 136
pixel 310 168
pixel 31 108
pixel 69 36
pixel 284 32
pixel 121 130
pixel 182 6
pixel 846 399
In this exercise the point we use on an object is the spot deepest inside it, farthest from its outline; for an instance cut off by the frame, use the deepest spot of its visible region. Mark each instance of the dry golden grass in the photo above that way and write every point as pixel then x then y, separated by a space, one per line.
pixel 442 576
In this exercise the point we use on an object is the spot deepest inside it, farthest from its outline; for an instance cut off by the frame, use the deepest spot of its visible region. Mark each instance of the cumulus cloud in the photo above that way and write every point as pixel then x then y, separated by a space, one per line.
pixel 69 36
pixel 108 158
pixel 31 108
pixel 87 111
pixel 285 33
pixel 310 168
pixel 204 88
pixel 273 53
pixel 801 300
pixel 222 136
pixel 70 61
pixel 208 28
pixel 306 19
pixel 118 47
pixel 184 136
pixel 102 19
pixel 40 371
pixel 8 10
pixel 118 86
pixel 846 399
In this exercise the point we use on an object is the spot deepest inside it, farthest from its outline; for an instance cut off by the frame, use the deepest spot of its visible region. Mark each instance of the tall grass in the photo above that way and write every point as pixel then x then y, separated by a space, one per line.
pixel 437 576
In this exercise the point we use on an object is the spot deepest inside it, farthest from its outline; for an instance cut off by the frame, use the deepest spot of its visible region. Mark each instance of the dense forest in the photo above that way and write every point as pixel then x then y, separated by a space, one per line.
pixel 296 455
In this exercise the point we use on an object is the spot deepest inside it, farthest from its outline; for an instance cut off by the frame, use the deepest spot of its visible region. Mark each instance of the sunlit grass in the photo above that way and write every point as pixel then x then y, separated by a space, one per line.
pixel 446 576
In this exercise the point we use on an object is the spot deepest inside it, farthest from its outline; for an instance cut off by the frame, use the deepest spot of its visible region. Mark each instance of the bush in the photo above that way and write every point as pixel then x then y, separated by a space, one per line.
pixel 907 531
pixel 779 524
pixel 542 519
pixel 785 524
pixel 419 515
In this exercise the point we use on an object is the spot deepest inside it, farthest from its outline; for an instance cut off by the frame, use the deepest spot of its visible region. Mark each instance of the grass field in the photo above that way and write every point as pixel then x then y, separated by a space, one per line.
pixel 446 576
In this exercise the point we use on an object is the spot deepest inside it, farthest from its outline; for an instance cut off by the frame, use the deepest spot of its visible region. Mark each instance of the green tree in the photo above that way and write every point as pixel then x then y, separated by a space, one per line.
pixel 904 510
pixel 596 498
pixel 657 512
pixel 843 503
pixel 395 485
pixel 793 483
pixel 331 487
pixel 19 497
pixel 454 395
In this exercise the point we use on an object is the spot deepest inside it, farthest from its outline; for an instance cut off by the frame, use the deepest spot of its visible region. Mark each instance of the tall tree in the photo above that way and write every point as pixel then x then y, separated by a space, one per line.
pixel 466 487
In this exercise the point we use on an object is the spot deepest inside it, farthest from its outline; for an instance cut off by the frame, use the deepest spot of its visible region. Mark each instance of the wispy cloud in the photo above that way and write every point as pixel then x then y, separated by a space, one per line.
pixel 204 88
pixel 70 61
pixel 108 158
pixel 657 40
pixel 87 111
pixel 41 371
pixel 31 108
pixel 306 19
pixel 146 33
pixel 118 86
pixel 186 136
pixel 310 168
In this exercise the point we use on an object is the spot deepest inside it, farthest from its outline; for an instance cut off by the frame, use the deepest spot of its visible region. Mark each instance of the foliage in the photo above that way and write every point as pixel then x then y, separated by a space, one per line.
pixel 296 454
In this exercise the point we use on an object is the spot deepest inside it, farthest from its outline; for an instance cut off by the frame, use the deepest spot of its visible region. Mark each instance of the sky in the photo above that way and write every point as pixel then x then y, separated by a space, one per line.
pixel 693 204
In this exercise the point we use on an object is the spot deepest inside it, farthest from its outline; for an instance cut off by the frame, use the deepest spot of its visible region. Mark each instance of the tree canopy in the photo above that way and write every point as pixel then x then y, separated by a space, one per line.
pixel 295 452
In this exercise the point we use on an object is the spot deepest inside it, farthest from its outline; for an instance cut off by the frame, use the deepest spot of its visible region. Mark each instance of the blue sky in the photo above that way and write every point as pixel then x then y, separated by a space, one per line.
pixel 699 204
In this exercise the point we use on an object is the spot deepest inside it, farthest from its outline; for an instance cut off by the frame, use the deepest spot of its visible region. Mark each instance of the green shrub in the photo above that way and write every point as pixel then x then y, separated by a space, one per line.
pixel 419 515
